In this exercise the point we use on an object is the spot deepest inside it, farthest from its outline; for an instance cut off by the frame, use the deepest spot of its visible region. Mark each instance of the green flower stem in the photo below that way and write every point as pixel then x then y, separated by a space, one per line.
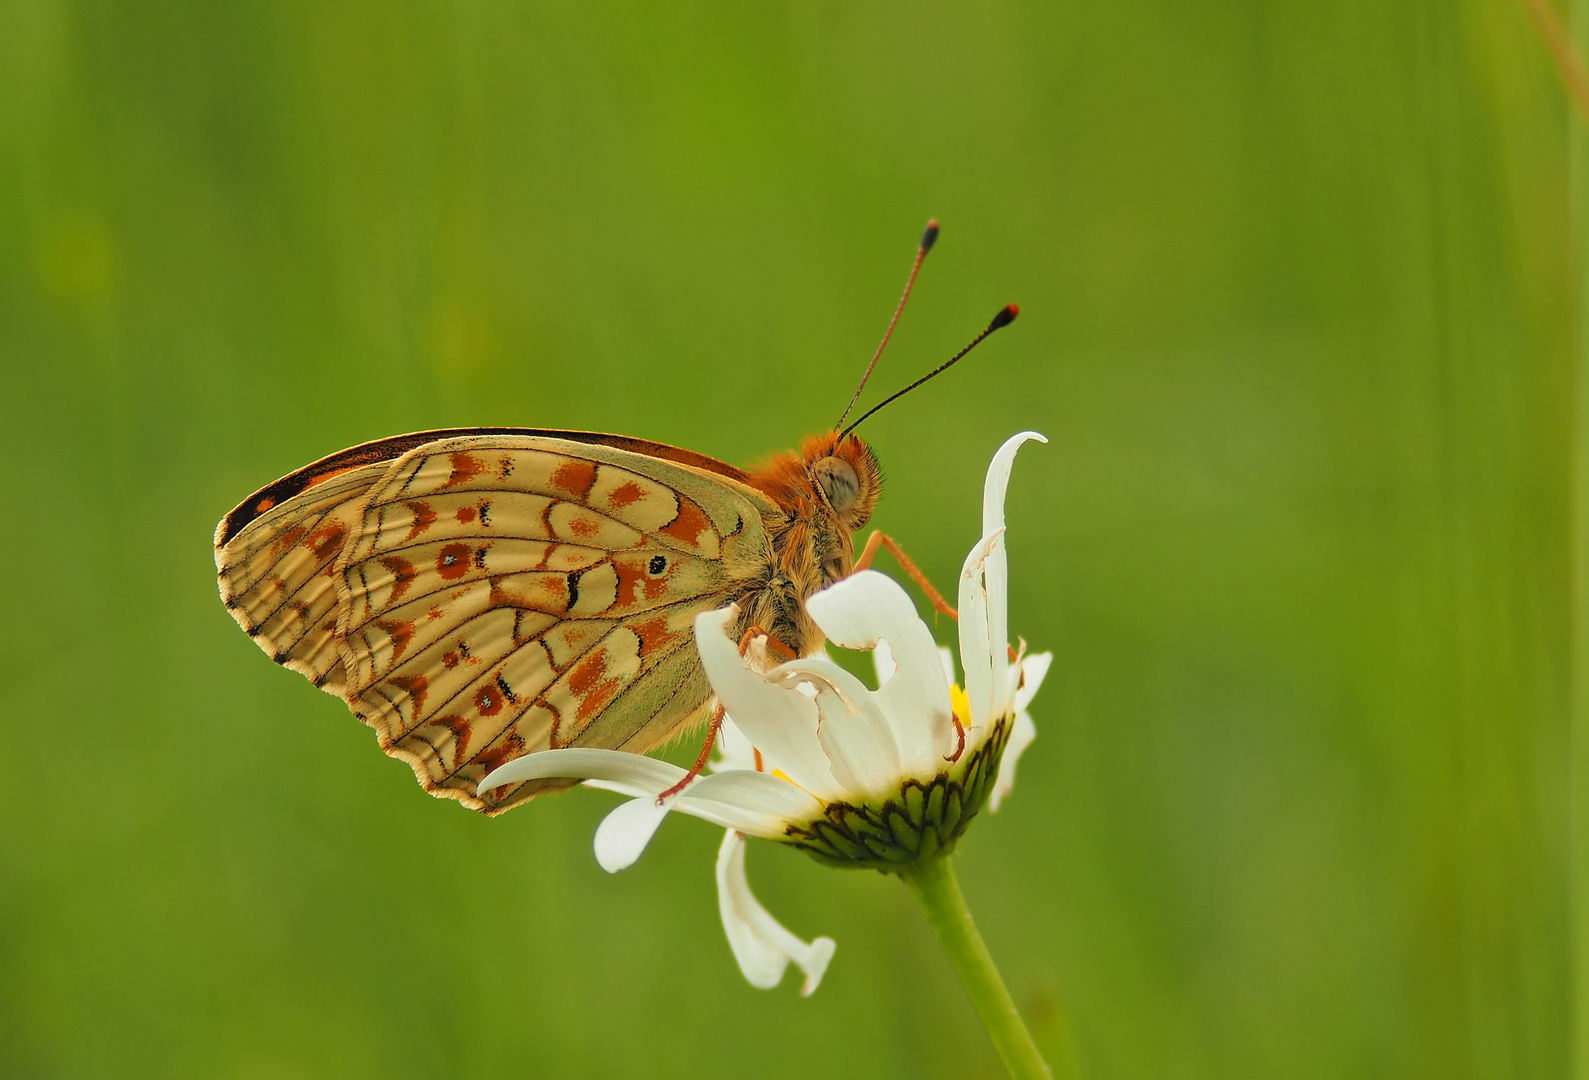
pixel 935 884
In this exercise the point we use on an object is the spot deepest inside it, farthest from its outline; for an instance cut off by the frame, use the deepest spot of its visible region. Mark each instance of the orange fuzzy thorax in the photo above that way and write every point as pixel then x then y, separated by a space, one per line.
pixel 786 477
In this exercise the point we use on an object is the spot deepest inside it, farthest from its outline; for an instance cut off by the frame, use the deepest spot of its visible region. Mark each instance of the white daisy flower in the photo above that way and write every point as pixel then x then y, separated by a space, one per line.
pixel 811 757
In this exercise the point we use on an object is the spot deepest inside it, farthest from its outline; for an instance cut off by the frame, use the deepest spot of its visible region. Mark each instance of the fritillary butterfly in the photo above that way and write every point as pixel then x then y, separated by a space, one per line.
pixel 476 594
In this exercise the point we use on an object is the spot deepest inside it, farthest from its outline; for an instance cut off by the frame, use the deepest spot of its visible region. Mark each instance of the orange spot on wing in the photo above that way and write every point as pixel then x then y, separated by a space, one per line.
pixel 264 504
pixel 452 561
pixel 584 527
pixel 416 687
pixel 688 525
pixel 593 689
pixel 403 575
pixel 327 540
pixel 575 477
pixel 510 747
pixel 626 494
pixel 656 588
pixel 465 467
pixel 288 539
pixel 488 700
pixel 465 515
pixel 327 475
pixel 401 634
pixel 630 575
pixel 424 518
pixel 653 634
pixel 588 673
pixel 556 590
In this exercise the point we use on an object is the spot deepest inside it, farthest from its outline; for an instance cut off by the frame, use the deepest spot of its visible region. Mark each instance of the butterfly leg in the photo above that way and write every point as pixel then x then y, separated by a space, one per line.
pixel 777 649
pixel 712 729
pixel 781 652
pixel 960 733
pixel 880 539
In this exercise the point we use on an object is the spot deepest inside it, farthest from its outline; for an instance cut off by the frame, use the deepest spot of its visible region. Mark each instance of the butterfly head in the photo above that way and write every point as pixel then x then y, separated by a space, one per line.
pixel 845 473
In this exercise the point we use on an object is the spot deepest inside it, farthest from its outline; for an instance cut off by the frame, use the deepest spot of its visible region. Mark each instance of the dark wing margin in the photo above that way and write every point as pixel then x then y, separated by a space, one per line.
pixel 389 449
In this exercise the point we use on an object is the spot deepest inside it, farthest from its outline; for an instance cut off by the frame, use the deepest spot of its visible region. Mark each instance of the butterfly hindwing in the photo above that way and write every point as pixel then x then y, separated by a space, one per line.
pixel 506 594
pixel 278 573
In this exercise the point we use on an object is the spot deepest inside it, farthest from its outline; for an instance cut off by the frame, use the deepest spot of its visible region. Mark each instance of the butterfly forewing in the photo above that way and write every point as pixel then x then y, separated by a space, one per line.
pixel 505 595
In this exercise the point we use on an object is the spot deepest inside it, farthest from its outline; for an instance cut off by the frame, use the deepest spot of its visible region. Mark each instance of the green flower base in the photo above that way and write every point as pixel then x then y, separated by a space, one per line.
pixel 924 822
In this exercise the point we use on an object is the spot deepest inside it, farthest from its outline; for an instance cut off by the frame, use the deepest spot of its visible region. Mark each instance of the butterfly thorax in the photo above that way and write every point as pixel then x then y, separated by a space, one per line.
pixel 822 495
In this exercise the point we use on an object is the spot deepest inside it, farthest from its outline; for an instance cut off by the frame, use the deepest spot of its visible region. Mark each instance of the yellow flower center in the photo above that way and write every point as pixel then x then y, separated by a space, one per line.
pixel 961 704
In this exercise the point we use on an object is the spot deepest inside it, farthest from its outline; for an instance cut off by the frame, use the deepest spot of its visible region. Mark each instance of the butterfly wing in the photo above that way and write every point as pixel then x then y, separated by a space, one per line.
pixel 275 553
pixel 477 594
pixel 277 568
pixel 508 594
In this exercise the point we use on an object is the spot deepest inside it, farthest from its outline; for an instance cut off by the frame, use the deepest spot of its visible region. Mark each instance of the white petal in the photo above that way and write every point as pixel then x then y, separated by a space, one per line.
pixel 866 609
pixel 748 807
pixel 1020 738
pixel 997 580
pixel 752 802
pixel 946 657
pixel 762 946
pixel 1033 670
pixel 635 771
pixel 624 833
pixel 883 662
pixel 779 720
pixel 976 652
pixel 628 791
pixel 855 735
pixel 998 480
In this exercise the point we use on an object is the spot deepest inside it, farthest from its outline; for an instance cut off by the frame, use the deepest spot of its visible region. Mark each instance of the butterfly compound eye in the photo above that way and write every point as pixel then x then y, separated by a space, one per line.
pixel 839 482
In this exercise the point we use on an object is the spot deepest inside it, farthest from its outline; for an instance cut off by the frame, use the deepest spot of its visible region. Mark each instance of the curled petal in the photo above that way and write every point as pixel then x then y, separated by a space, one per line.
pixel 998 480
pixel 867 610
pixel 761 945
pixel 779 720
pixel 623 834
pixel 998 573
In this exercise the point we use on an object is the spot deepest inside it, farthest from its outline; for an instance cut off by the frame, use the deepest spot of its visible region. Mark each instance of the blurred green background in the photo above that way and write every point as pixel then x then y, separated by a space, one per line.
pixel 1296 318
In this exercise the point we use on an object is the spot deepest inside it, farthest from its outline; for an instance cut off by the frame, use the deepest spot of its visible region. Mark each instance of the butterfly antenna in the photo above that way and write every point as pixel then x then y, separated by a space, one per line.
pixel 929 237
pixel 1005 317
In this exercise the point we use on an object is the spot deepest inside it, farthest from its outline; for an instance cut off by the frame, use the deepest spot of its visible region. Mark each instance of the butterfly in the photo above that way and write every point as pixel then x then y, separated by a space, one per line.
pixel 475 594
